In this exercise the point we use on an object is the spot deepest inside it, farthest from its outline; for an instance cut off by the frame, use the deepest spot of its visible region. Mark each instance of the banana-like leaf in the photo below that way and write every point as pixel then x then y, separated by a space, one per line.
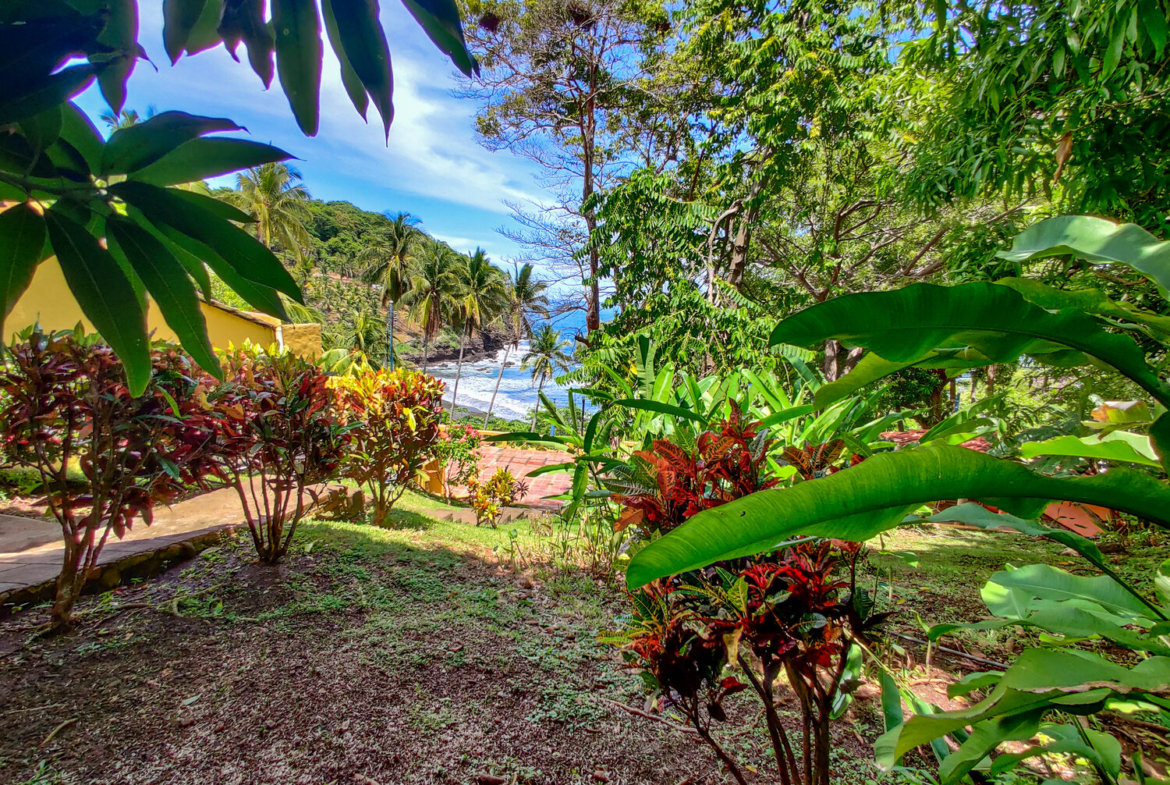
pixel 876 495
pixel 1116 446
pixel 247 255
pixel 978 323
pixel 1095 240
pixel 1091 301
pixel 661 408
pixel 985 737
pixel 1103 750
pixel 1039 679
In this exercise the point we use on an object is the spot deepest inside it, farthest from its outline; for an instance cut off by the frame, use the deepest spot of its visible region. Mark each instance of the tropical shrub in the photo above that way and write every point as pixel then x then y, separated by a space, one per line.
pixel 955 329
pixel 458 455
pixel 796 613
pixel 489 499
pixel 392 420
pixel 277 434
pixel 67 404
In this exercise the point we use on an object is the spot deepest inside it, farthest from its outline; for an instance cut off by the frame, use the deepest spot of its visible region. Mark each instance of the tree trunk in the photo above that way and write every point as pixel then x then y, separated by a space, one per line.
pixel 69 584
pixel 588 134
pixel 539 387
pixel 743 237
pixel 389 363
pixel 492 405
pixel 990 380
pixel 426 339
pixel 831 368
pixel 458 371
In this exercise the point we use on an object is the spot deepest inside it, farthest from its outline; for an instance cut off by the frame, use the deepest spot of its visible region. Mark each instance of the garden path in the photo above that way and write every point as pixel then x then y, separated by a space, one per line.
pixel 520 463
pixel 31 551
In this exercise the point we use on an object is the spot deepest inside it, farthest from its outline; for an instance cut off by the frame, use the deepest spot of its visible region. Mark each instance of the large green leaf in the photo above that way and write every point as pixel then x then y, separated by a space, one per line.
pixel 1092 301
pixel 79 131
pixel 1095 240
pixel 45 93
pixel 1103 750
pixel 131 149
pixel 349 80
pixel 179 19
pixel 661 408
pixel 440 18
pixel 1116 446
pixel 1050 583
pixel 364 42
pixel 868 370
pixel 247 255
pixel 876 495
pixel 298 58
pixel 167 281
pixel 243 20
pixel 200 159
pixel 104 293
pixel 985 737
pixel 979 322
pixel 1039 678
pixel 22 238
pixel 121 35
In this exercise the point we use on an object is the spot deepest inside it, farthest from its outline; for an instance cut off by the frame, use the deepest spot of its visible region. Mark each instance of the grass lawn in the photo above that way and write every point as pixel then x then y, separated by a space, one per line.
pixel 415 654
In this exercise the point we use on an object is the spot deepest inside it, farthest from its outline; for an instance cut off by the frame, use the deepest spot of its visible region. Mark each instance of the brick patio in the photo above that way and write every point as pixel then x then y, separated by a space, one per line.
pixel 520 463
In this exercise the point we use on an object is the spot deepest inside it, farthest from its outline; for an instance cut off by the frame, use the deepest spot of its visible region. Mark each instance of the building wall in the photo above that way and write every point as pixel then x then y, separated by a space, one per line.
pixel 49 301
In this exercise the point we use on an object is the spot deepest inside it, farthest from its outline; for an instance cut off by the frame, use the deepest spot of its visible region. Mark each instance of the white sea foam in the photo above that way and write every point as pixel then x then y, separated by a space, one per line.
pixel 517 393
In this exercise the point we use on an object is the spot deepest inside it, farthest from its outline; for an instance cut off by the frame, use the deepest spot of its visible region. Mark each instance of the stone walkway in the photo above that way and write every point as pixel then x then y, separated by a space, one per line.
pixel 520 463
pixel 31 551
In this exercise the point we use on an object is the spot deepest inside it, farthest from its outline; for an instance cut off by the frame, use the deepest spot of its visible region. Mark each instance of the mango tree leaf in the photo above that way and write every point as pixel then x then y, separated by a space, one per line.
pixel 104 293
pixel 243 20
pixel 79 131
pixel 246 255
pixel 43 130
pixel 349 79
pixel 201 159
pixel 876 495
pixel 298 58
pixel 168 284
pixel 179 18
pixel 1117 446
pixel 440 20
pixel 1095 240
pixel 205 34
pixel 364 42
pixel 46 93
pixel 131 149
pixel 22 238
pixel 991 322
pixel 121 35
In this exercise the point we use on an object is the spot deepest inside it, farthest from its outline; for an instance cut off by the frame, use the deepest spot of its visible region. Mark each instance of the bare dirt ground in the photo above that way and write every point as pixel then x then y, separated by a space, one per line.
pixel 411 655
pixel 370 657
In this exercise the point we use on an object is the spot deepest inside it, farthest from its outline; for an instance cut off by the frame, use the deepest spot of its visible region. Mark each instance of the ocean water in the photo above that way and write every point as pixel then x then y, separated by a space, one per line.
pixel 517 395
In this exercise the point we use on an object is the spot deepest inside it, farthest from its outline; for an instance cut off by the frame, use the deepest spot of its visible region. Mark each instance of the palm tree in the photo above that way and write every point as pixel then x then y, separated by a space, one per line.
pixel 124 119
pixel 387 259
pixel 526 299
pixel 545 355
pixel 434 291
pixel 484 298
pixel 273 196
pixel 358 334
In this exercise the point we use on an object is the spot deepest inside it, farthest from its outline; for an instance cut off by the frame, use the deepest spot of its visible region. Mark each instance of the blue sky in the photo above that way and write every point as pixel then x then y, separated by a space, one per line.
pixel 433 167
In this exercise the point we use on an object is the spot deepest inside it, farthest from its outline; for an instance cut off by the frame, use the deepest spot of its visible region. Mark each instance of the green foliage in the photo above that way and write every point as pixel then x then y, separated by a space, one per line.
pixel 488 499
pixel 67 403
pixel 276 434
pixel 392 423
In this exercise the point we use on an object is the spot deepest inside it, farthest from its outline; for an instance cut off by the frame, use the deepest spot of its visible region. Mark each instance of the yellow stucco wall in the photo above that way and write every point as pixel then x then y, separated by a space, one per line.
pixel 302 339
pixel 49 301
